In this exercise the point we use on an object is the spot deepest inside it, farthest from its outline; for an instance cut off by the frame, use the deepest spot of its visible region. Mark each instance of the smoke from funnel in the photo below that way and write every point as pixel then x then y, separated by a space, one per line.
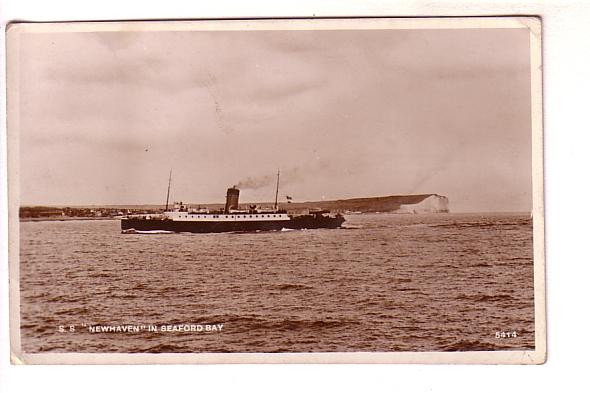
pixel 256 182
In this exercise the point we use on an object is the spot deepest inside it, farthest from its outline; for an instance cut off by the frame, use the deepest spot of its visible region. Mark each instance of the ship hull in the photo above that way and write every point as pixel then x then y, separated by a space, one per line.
pixel 298 222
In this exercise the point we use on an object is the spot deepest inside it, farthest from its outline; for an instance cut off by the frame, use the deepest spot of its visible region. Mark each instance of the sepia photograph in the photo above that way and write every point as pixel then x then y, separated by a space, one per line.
pixel 355 190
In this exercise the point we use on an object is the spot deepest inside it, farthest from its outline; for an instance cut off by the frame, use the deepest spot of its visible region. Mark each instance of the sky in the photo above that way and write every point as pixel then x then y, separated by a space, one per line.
pixel 105 116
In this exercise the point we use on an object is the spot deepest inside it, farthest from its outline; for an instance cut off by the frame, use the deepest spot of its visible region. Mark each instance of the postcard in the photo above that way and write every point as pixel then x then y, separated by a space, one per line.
pixel 350 190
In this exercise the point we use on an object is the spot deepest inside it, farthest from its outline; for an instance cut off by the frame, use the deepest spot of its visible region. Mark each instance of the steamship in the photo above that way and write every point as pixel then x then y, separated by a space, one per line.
pixel 181 218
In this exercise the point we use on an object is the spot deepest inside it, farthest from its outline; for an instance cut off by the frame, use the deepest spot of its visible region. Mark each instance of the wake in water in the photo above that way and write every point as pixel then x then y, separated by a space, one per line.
pixel 154 232
pixel 351 226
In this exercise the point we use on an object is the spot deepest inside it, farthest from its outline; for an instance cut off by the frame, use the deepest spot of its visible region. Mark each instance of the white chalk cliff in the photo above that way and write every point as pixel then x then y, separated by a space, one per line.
pixel 432 204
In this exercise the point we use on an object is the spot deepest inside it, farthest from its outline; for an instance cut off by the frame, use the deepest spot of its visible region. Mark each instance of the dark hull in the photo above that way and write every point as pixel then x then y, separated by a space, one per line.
pixel 298 222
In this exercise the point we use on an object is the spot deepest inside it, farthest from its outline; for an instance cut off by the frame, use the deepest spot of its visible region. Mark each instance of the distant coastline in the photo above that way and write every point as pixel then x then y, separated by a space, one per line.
pixel 407 204
pixel 34 219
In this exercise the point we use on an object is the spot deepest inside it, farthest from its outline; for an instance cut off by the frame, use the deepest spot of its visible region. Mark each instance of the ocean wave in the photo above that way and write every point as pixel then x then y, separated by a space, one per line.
pixel 237 323
pixel 305 325
pixel 164 348
pixel 471 345
pixel 80 310
pixel 287 287
pixel 482 224
pixel 485 298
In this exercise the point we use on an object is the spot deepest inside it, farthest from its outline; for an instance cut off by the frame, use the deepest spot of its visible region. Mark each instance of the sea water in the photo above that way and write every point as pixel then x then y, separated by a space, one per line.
pixel 386 282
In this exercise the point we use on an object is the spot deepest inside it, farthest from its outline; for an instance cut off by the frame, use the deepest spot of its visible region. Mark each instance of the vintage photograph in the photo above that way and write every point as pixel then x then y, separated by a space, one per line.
pixel 290 190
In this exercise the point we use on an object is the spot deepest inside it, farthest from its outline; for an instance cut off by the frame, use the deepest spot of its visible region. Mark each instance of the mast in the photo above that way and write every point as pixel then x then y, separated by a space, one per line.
pixel 168 194
pixel 277 193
